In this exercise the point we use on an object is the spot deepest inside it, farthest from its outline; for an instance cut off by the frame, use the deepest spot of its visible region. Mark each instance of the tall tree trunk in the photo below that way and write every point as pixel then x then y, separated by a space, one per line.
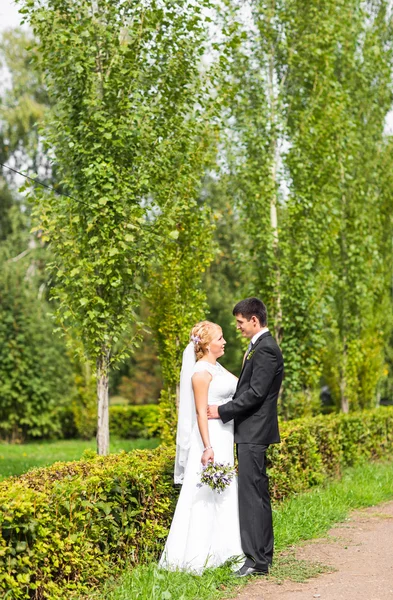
pixel 103 403
pixel 275 151
pixel 343 381
pixel 274 226
pixel 344 278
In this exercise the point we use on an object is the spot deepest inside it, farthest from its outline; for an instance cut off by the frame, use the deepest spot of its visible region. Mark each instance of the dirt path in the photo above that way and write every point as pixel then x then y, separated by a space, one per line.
pixel 360 553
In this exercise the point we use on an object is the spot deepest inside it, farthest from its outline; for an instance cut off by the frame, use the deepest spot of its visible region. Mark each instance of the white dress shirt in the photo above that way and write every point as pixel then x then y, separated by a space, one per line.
pixel 258 335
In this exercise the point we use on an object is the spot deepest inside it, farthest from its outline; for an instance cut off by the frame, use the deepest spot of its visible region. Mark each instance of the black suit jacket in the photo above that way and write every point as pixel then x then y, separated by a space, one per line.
pixel 254 404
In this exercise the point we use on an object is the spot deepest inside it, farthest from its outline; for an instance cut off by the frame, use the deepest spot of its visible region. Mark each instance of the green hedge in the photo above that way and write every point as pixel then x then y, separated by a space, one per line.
pixel 129 422
pixel 125 422
pixel 65 528
pixel 318 447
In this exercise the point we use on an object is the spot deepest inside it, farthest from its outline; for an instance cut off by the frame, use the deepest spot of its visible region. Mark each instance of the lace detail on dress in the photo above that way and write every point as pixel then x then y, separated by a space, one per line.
pixel 204 365
pixel 223 383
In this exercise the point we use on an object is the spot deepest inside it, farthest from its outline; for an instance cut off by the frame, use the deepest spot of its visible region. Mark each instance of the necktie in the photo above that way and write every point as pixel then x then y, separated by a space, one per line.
pixel 247 352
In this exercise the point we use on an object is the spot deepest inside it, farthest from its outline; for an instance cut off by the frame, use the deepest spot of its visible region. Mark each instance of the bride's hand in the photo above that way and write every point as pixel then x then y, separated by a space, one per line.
pixel 207 456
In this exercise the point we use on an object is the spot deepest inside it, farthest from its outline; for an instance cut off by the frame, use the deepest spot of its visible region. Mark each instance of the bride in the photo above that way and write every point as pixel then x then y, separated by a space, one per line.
pixel 205 528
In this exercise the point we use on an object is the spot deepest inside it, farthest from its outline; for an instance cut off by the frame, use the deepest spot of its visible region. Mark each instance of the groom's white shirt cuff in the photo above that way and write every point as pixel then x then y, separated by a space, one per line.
pixel 258 335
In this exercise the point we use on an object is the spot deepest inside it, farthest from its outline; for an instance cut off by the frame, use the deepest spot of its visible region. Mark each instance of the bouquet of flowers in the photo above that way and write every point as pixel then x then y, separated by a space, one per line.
pixel 217 476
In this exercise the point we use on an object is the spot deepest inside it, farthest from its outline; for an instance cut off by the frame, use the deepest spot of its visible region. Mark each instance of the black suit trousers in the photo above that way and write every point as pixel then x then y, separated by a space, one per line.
pixel 255 513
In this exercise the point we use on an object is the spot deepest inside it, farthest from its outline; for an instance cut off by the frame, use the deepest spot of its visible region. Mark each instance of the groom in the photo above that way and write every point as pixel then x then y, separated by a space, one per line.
pixel 254 409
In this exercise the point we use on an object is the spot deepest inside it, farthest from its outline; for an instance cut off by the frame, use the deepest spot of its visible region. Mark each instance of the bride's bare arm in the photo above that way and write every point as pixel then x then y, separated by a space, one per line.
pixel 200 386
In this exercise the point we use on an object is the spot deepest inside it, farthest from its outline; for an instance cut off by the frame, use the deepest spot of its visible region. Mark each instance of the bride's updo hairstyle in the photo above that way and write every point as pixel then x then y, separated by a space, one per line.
pixel 201 335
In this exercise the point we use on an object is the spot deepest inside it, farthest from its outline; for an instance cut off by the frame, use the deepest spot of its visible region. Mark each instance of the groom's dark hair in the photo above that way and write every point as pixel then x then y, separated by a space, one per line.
pixel 250 307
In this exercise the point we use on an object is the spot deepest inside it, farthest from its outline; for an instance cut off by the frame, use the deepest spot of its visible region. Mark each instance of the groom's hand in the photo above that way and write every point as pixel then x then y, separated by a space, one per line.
pixel 212 411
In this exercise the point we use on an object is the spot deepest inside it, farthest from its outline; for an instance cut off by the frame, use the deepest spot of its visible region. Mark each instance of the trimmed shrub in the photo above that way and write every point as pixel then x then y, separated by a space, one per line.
pixel 315 448
pixel 66 527
pixel 125 422
pixel 134 421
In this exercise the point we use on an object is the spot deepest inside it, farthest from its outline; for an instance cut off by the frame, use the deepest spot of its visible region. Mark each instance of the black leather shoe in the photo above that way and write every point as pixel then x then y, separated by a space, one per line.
pixel 245 571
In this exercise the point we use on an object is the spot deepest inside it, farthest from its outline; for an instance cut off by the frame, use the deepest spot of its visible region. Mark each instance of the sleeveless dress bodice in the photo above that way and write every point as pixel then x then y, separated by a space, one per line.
pixel 223 383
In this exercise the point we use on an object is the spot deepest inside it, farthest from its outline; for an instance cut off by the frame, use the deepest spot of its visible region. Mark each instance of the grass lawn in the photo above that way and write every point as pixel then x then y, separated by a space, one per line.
pixel 19 458
pixel 300 518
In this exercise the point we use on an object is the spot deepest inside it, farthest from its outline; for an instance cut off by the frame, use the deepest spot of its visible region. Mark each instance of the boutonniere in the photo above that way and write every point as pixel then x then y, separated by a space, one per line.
pixel 249 355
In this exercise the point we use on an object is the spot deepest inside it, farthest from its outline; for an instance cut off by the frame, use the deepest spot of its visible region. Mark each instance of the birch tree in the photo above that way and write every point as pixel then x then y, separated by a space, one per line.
pixel 360 317
pixel 116 76
pixel 311 92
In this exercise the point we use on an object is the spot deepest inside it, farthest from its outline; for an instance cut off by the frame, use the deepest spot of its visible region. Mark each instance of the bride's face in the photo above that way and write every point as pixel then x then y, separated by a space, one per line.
pixel 217 344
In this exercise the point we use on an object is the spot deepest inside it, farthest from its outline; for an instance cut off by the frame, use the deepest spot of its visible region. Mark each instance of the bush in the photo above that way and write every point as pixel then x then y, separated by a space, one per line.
pixel 66 527
pixel 84 402
pixel 317 447
pixel 129 422
pixel 125 422
pixel 35 372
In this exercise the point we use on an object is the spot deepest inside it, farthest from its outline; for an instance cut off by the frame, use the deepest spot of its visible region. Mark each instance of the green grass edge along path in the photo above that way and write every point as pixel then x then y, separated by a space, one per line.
pixel 16 459
pixel 308 515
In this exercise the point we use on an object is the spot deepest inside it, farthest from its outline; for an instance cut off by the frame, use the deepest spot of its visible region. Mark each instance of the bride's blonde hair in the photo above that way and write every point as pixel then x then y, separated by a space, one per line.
pixel 202 334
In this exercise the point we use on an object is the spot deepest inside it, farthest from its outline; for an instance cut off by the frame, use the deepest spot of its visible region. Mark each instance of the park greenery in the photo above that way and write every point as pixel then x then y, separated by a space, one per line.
pixel 200 152
pixel 259 165
pixel 69 527
pixel 190 153
pixel 303 517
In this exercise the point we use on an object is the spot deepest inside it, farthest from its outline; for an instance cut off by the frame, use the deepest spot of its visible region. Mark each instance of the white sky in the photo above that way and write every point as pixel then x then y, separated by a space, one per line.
pixel 9 16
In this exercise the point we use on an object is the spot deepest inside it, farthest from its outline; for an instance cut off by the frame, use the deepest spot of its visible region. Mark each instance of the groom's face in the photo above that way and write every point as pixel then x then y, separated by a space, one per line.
pixel 246 327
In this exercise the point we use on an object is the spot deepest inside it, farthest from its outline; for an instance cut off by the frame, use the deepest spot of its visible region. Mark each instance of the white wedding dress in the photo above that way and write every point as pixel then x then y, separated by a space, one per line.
pixel 205 528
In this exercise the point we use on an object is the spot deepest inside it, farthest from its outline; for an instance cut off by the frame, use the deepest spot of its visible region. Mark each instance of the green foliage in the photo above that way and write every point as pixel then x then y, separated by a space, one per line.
pixel 35 373
pixel 297 210
pixel 128 136
pixel 65 528
pixel 176 295
pixel 337 276
pixel 139 380
pixel 127 85
pixel 224 279
pixel 131 422
pixel 359 261
pixel 6 202
pixel 72 524
pixel 24 103
pixel 82 412
pixel 178 300
pixel 311 88
pixel 314 448
pixel 125 421
pixel 255 134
